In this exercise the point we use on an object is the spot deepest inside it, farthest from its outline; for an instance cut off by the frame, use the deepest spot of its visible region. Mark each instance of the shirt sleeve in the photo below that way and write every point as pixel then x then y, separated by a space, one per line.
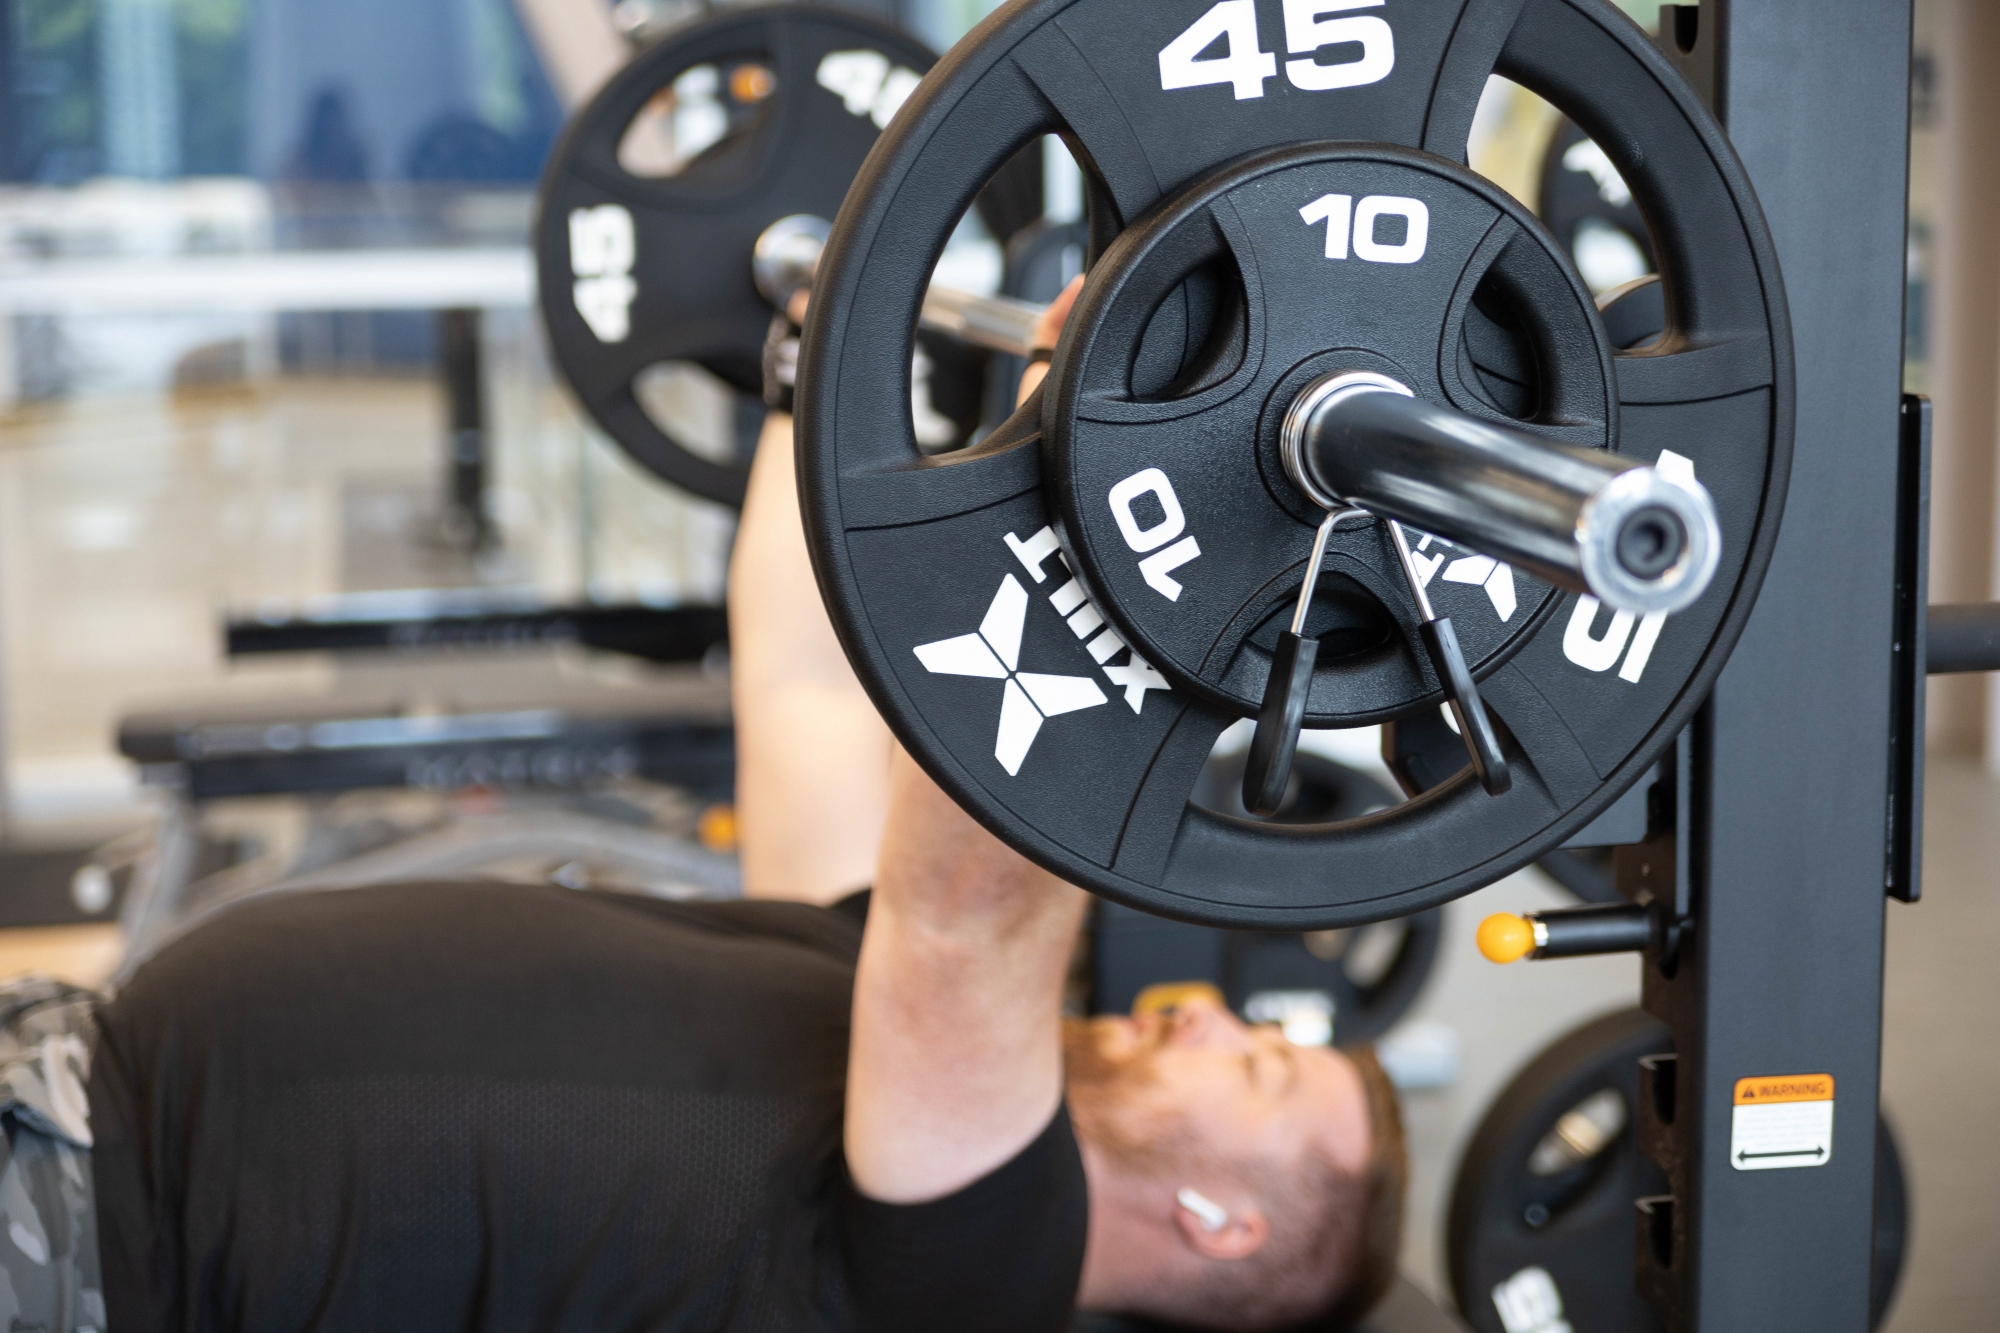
pixel 1002 1255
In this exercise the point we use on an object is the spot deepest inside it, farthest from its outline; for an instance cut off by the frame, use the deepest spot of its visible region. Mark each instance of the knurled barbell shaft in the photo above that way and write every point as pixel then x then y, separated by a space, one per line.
pixel 786 257
pixel 1583 519
pixel 999 323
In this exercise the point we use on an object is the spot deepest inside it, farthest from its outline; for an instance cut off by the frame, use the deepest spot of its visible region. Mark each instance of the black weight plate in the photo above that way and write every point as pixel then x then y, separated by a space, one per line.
pixel 1529 1196
pixel 1207 612
pixel 1371 973
pixel 1892 1224
pixel 1580 190
pixel 1091 773
pixel 1577 1223
pixel 670 280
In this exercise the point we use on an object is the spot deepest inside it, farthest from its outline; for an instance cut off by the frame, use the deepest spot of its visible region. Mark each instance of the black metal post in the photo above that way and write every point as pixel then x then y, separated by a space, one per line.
pixel 1783 824
pixel 1963 636
pixel 460 363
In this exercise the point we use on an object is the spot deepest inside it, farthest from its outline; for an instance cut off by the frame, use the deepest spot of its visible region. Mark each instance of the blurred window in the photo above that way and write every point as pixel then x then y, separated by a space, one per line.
pixel 302 91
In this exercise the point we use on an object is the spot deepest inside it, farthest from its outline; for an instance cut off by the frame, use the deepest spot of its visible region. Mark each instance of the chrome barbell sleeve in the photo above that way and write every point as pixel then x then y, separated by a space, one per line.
pixel 1583 519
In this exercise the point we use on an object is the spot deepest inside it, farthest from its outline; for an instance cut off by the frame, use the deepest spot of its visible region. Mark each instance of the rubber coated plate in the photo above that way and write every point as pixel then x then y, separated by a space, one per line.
pixel 954 582
pixel 638 270
pixel 1542 1214
pixel 1371 974
pixel 1200 542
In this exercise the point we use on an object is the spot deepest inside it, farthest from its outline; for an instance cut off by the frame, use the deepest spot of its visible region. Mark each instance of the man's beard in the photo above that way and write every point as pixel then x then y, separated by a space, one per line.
pixel 1116 1110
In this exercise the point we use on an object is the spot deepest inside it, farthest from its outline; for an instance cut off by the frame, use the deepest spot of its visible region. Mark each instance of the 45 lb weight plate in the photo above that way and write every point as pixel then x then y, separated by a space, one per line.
pixel 1060 620
pixel 640 268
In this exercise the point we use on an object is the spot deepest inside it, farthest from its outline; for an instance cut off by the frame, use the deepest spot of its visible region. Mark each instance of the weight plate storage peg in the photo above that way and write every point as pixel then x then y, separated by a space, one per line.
pixel 1542 1223
pixel 638 270
pixel 1059 621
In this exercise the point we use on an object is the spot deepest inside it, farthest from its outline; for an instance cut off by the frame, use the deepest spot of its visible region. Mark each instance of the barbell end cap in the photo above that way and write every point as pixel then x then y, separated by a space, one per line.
pixel 1505 938
pixel 1663 496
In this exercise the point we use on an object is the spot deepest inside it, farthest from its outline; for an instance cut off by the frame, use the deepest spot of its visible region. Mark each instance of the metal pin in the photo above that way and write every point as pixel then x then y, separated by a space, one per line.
pixel 1416 579
pixel 1326 527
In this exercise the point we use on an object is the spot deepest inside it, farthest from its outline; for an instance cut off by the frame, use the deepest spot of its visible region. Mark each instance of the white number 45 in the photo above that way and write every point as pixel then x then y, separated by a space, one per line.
pixel 1244 65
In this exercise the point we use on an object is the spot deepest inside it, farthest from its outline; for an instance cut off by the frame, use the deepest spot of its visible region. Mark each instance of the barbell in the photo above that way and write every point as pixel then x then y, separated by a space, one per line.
pixel 1581 518
pixel 1300 296
pixel 1394 399
pixel 1360 444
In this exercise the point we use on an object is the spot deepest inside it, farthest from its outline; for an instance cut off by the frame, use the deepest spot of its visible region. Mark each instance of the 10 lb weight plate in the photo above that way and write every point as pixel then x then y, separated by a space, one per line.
pixel 1059 621
pixel 638 270
pixel 1135 441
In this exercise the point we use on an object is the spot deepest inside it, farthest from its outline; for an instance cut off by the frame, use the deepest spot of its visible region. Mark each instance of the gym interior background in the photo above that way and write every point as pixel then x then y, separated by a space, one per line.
pixel 245 244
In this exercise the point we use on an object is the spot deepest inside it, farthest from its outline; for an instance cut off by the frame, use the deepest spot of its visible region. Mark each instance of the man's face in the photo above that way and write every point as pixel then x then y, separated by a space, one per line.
pixel 1199 1072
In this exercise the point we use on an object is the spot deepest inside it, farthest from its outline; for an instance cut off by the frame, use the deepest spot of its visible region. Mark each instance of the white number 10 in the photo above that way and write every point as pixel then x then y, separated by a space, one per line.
pixel 1245 65
pixel 1338 211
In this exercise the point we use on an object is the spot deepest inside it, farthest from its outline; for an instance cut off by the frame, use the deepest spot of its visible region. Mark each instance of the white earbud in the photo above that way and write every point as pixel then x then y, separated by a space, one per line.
pixel 1212 1215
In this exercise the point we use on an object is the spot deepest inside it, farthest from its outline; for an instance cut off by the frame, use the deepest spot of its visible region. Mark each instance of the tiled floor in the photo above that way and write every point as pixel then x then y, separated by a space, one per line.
pixel 125 529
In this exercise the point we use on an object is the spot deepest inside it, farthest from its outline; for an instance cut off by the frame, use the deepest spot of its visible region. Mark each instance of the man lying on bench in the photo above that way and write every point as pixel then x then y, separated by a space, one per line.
pixel 487 1106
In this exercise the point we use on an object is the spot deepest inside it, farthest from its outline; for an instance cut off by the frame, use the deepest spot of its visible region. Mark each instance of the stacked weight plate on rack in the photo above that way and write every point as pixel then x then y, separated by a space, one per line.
pixel 658 190
pixel 1539 1232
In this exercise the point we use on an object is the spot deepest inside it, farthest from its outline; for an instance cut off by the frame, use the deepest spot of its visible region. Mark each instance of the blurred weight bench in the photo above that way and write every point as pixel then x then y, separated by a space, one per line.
pixel 444 619
pixel 541 774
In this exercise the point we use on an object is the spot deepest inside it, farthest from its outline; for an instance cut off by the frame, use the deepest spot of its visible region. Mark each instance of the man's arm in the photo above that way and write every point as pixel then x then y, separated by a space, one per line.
pixel 956 1060
pixel 1047 330
pixel 812 755
pixel 955 1063
pixel 956 1056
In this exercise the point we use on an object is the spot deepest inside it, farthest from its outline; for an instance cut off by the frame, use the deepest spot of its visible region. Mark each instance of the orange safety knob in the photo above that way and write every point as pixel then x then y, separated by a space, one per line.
pixel 717 828
pixel 1504 938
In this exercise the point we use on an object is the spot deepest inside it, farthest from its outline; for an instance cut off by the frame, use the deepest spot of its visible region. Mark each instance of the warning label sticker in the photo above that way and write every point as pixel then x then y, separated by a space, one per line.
pixel 1782 1121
